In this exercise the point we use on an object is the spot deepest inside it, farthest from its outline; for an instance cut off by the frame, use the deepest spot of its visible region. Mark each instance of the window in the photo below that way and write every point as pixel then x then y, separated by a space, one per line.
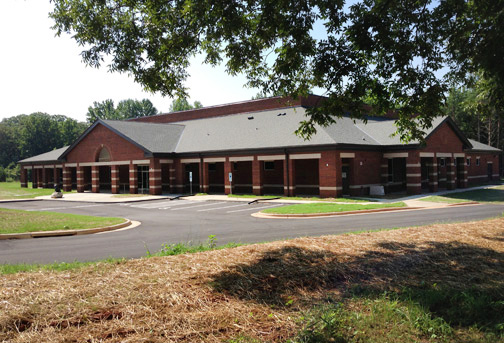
pixel 104 155
pixel 477 161
pixel 269 165
pixel 468 161
pixel 397 169
pixel 442 162
pixel 212 167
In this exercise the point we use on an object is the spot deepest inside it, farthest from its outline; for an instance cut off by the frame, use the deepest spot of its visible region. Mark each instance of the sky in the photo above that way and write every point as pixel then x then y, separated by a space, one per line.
pixel 40 72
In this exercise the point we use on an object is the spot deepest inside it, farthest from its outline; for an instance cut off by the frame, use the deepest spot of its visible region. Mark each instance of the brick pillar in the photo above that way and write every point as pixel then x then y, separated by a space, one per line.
pixel 80 179
pixel 34 178
pixel 44 177
pixel 384 172
pixel 40 177
pixel 413 173
pixel 289 172
pixel 56 177
pixel 257 176
pixel 114 178
pixel 433 175
pixel 95 179
pixel 172 177
pixel 179 173
pixel 228 168
pixel 330 182
pixel 23 177
pixel 155 186
pixel 464 180
pixel 67 179
pixel 205 183
pixel 450 174
pixel 133 179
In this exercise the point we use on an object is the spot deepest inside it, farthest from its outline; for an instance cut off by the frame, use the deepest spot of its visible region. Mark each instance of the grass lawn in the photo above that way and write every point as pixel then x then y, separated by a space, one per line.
pixel 18 221
pixel 430 284
pixel 494 195
pixel 328 208
pixel 13 190
pixel 351 200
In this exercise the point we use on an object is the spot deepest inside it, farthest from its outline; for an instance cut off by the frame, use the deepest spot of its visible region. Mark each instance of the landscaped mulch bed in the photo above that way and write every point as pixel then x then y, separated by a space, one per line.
pixel 255 291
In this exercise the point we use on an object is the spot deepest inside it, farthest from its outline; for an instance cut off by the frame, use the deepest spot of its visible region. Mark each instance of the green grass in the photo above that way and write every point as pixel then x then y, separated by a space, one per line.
pixel 428 314
pixel 328 208
pixel 188 248
pixel 492 195
pixel 350 200
pixel 13 190
pixel 18 221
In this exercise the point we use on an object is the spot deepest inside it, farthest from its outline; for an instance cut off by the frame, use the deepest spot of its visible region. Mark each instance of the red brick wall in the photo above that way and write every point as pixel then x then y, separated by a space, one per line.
pixel 241 107
pixel 444 139
pixel 119 148
pixel 481 170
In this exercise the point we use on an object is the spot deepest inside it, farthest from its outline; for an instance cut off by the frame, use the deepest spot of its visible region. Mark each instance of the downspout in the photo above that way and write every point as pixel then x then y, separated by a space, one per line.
pixel 287 167
pixel 201 174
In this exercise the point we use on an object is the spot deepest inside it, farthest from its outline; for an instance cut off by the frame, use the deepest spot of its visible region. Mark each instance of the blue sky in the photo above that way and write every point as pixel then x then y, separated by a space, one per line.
pixel 41 72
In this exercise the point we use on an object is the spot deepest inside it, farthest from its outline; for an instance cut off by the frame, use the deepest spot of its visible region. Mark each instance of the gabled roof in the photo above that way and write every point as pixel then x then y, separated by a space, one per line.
pixel 477 146
pixel 151 138
pixel 51 156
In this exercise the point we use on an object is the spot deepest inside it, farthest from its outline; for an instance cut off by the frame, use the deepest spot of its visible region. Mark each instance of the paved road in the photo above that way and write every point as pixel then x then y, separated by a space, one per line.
pixel 193 221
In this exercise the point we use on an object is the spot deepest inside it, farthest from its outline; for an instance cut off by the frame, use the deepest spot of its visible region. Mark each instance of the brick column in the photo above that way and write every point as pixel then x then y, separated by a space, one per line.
pixel 114 179
pixel 257 176
pixel 433 175
pixel 330 182
pixel 40 177
pixel 384 172
pixel 34 178
pixel 67 179
pixel 450 174
pixel 289 172
pixel 80 179
pixel 44 177
pixel 95 179
pixel 133 178
pixel 56 177
pixel 155 186
pixel 204 184
pixel 413 173
pixel 23 177
pixel 179 173
pixel 173 178
pixel 464 181
pixel 228 168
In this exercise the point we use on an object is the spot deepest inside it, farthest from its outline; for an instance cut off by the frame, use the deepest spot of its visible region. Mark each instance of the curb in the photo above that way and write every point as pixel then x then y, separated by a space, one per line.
pixel 19 200
pixel 330 214
pixel 64 232
pixel 105 202
pixel 464 203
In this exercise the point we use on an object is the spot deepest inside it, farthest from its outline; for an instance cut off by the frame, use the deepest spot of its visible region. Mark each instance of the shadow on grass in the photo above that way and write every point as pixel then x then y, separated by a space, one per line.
pixel 460 283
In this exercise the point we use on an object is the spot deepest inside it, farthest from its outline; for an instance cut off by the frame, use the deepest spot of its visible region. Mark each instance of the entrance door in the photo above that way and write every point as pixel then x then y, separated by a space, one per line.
pixel 143 179
pixel 345 173
pixel 489 171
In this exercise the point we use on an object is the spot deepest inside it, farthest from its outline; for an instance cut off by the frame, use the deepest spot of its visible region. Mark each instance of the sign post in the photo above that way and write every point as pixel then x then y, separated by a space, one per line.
pixel 230 183
pixel 190 182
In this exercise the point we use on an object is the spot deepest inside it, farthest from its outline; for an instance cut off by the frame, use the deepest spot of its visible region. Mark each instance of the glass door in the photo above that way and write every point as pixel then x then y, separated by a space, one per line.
pixel 143 179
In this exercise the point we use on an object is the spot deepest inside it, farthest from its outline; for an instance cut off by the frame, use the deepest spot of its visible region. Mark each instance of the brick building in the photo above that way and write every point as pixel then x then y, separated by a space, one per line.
pixel 254 141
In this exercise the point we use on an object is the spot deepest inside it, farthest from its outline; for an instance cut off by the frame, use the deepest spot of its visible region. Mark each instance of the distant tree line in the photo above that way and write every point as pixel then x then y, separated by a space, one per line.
pixel 24 136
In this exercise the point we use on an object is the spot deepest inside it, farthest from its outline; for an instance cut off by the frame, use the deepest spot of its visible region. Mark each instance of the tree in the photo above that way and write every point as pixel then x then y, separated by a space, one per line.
pixel 389 50
pixel 126 109
pixel 181 104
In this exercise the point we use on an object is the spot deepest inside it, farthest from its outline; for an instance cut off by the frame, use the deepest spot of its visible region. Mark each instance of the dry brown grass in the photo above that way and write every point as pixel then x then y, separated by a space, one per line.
pixel 256 291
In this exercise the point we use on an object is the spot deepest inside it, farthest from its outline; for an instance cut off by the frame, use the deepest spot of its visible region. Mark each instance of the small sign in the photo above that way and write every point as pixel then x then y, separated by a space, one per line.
pixel 190 176
pixel 230 177
pixel 343 175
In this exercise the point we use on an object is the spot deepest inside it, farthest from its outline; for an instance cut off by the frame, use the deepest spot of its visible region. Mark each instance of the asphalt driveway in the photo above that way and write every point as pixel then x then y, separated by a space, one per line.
pixel 165 221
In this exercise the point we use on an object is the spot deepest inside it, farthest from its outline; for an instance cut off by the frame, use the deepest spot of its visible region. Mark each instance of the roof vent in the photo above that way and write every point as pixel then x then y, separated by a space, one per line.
pixel 281 114
pixel 250 118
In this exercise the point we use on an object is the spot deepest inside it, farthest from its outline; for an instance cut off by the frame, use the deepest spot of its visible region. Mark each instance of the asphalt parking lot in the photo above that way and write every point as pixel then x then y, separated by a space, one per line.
pixel 193 221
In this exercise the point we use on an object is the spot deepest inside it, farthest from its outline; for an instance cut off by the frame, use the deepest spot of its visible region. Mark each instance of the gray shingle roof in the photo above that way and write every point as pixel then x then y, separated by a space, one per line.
pixel 477 146
pixel 51 156
pixel 156 138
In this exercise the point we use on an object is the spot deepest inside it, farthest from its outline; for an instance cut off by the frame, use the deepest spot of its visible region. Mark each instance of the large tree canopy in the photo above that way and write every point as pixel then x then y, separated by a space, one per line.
pixel 390 51
pixel 126 109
